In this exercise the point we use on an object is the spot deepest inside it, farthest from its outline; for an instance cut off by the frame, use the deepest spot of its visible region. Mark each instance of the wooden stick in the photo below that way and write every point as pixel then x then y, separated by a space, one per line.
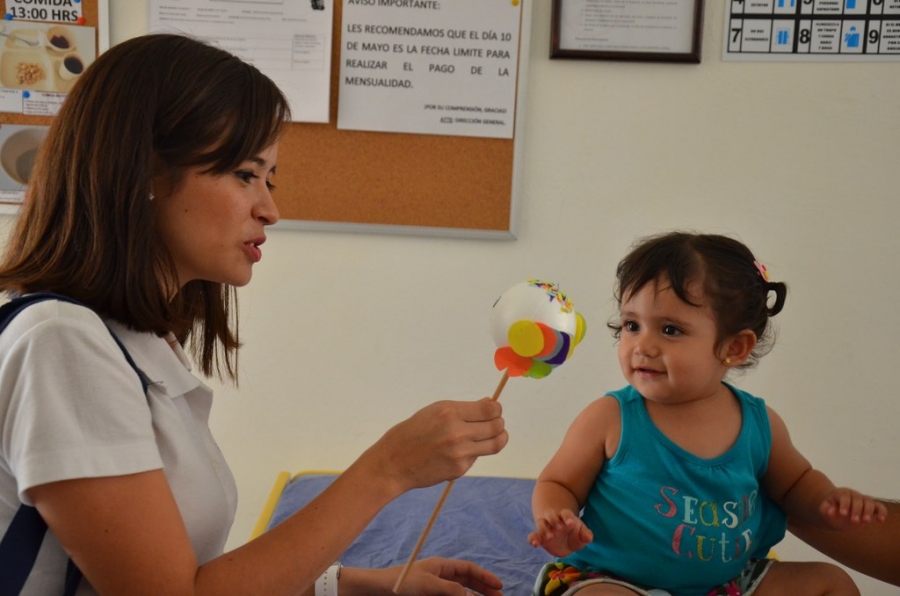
pixel 500 386
pixel 440 503
pixel 415 553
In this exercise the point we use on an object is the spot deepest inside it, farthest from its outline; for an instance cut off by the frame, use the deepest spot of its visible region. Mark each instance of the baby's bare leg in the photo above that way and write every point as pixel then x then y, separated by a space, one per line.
pixel 605 590
pixel 806 579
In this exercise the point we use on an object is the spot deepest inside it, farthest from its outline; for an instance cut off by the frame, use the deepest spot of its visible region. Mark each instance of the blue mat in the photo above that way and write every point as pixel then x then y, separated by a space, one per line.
pixel 485 520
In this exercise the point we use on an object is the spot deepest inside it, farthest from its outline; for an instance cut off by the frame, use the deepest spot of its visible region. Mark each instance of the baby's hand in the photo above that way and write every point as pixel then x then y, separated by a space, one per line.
pixel 846 509
pixel 560 533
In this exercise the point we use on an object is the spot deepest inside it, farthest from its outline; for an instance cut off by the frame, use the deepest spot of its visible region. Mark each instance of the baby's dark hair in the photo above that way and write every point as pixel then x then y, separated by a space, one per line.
pixel 729 276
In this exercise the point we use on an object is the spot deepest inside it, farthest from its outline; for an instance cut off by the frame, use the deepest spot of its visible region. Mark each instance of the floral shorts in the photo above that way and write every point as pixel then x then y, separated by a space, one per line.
pixel 559 579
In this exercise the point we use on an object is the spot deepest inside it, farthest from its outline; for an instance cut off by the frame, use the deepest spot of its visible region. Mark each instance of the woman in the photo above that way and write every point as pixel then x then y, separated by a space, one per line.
pixel 148 205
pixel 873 549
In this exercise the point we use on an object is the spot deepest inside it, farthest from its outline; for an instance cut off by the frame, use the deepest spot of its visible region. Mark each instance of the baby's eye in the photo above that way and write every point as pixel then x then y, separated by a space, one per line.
pixel 671 330
pixel 630 326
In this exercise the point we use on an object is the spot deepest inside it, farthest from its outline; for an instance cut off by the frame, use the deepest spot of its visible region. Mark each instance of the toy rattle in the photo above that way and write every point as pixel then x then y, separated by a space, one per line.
pixel 536 329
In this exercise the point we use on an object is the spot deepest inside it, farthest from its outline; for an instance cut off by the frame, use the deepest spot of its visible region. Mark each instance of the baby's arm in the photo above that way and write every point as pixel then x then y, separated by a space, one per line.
pixel 807 495
pixel 563 485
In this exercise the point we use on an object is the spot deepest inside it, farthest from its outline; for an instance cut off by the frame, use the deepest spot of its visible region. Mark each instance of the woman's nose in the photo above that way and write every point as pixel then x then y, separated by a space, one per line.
pixel 267 210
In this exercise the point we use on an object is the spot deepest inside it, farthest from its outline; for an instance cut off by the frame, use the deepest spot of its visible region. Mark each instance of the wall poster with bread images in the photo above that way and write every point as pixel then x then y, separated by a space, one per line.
pixel 45 46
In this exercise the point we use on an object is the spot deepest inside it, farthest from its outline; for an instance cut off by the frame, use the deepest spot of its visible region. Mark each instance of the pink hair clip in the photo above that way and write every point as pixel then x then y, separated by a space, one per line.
pixel 763 270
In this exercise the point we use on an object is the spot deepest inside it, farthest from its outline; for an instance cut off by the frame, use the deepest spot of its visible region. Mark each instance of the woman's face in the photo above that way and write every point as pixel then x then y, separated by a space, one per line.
pixel 213 224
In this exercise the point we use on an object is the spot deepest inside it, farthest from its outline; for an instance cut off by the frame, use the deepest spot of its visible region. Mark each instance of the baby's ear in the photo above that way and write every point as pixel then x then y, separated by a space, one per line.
pixel 739 347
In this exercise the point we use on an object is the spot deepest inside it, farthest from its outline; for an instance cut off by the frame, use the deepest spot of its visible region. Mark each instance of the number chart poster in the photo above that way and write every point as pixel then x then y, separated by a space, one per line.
pixel 829 30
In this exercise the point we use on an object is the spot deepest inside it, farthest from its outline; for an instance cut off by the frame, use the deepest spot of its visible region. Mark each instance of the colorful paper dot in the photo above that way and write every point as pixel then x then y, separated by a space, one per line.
pixel 526 338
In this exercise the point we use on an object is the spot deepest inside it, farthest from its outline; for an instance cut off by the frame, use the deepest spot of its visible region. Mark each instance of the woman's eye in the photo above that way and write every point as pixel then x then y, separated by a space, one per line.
pixel 245 175
pixel 671 330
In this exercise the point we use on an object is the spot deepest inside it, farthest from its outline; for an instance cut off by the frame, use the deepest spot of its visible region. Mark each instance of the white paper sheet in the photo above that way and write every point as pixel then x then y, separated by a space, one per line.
pixel 627 26
pixel 288 40
pixel 445 67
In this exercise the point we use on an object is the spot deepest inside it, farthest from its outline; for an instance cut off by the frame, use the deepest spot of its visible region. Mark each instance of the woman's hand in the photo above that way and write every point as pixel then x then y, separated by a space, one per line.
pixel 434 576
pixel 451 577
pixel 439 442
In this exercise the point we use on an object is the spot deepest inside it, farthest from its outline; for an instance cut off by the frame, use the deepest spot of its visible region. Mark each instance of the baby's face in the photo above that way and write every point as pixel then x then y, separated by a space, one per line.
pixel 667 347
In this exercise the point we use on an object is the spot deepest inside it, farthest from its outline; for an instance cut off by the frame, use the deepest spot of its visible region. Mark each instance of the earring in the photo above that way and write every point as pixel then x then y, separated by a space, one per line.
pixel 727 361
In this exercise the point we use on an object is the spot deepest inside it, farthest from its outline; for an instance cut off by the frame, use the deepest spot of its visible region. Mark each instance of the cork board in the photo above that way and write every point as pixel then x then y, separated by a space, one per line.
pixel 340 180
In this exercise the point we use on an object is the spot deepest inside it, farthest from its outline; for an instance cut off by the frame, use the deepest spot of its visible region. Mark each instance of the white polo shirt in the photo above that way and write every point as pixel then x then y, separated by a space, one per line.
pixel 72 407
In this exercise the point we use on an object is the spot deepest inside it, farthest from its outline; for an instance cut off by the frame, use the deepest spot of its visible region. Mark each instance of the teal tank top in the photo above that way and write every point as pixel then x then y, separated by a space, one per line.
pixel 665 518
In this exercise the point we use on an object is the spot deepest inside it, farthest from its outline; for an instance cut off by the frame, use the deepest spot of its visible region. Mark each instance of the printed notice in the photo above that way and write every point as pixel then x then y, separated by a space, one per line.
pixel 445 67
pixel 288 40
pixel 62 11
pixel 839 30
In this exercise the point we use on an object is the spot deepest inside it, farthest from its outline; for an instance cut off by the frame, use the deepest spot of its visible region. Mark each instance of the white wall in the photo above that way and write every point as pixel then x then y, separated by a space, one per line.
pixel 348 333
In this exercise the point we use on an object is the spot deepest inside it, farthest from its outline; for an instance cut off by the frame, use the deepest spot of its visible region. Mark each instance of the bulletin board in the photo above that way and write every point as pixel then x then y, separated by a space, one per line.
pixel 397 183
pixel 95 14
pixel 342 180
pixel 28 103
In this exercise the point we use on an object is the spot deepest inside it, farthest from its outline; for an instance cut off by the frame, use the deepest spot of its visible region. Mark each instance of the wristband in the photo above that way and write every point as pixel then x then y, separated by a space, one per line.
pixel 327 584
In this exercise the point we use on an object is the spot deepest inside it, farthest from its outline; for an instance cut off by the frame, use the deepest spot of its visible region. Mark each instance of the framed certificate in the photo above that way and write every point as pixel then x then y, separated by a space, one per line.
pixel 652 30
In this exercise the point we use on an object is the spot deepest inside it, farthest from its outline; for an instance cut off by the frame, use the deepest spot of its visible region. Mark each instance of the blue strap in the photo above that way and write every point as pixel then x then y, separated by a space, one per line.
pixel 21 544
pixel 73 578
pixel 19 549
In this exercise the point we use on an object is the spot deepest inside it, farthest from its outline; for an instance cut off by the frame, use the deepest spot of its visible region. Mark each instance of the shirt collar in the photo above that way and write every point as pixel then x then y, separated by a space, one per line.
pixel 166 366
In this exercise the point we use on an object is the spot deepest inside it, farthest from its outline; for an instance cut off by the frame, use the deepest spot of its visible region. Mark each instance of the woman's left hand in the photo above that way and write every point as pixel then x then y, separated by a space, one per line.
pixel 437 576
pixel 434 576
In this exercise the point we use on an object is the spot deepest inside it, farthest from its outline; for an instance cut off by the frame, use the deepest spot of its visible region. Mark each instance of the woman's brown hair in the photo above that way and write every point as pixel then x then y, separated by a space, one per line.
pixel 150 106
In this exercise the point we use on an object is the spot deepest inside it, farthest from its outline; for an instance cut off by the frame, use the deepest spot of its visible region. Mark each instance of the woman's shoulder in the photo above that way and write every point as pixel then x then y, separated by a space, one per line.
pixel 53 312
pixel 48 322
